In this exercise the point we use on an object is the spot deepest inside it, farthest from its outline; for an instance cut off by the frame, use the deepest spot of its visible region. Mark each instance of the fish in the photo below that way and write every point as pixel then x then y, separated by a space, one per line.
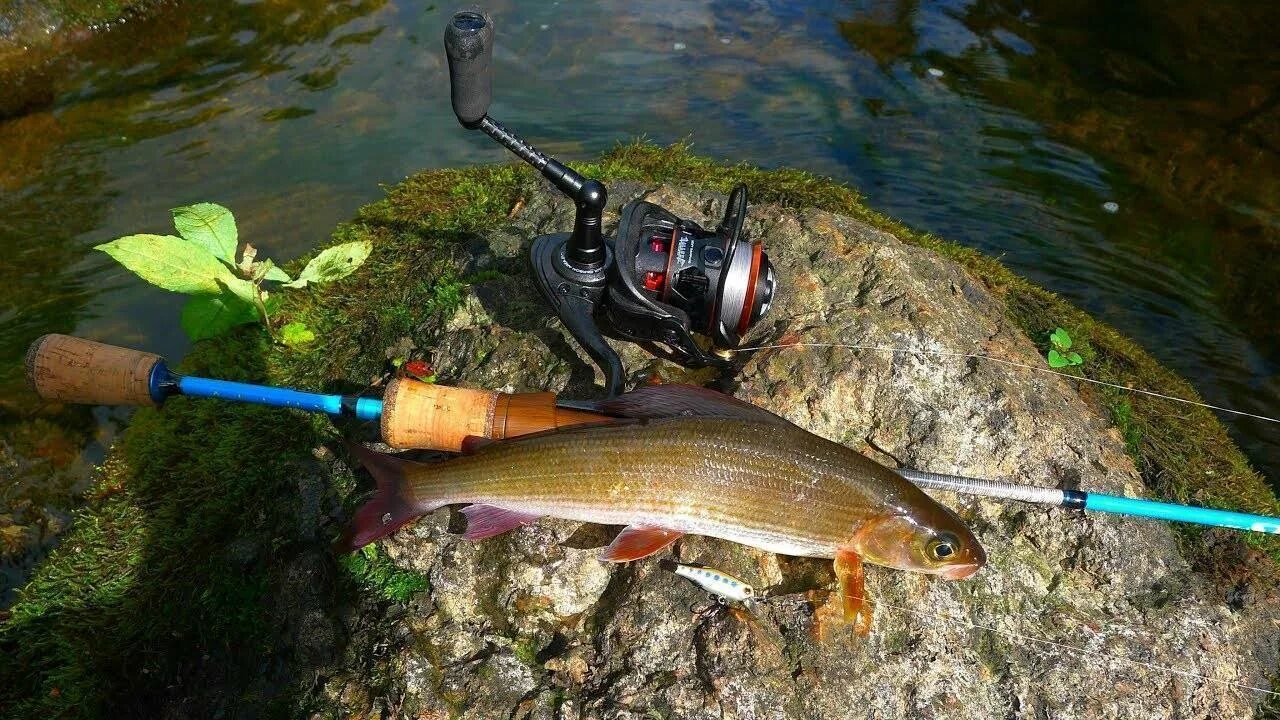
pixel 676 460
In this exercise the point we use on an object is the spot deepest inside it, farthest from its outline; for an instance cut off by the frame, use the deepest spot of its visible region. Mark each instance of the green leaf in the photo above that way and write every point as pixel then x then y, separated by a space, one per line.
pixel 1061 339
pixel 173 264
pixel 337 262
pixel 210 226
pixel 276 274
pixel 1074 358
pixel 1056 360
pixel 206 316
pixel 296 333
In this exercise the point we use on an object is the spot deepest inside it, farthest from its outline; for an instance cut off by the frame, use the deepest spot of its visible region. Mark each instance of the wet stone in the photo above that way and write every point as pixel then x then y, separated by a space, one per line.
pixel 523 625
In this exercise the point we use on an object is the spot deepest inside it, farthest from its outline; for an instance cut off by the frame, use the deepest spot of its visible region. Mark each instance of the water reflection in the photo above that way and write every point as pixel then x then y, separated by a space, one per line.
pixel 1004 125
pixel 1176 108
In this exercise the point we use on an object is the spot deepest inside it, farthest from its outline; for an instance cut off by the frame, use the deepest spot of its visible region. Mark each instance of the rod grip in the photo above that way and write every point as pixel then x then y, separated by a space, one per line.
pixel 468 44
pixel 424 415
pixel 427 416
pixel 74 370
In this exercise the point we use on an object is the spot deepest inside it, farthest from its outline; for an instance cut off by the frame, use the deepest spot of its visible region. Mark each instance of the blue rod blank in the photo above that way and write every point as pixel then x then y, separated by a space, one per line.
pixel 365 408
pixel 1181 513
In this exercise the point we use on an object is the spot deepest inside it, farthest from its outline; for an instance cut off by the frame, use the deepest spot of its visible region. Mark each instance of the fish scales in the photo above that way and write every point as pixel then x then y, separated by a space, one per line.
pixel 748 481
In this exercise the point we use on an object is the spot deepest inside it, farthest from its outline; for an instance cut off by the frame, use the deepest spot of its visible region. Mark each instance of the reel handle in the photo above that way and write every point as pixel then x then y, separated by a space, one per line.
pixel 74 370
pixel 468 43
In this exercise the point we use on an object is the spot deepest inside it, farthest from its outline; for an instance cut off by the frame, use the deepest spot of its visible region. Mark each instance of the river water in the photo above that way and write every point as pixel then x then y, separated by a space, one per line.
pixel 1125 158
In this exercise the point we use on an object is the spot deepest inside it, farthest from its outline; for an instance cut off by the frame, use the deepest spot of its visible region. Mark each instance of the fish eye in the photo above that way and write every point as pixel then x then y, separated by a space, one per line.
pixel 942 547
pixel 748 591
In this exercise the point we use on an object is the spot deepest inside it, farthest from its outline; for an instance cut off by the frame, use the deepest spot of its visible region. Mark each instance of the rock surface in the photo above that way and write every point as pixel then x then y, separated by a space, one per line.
pixel 530 624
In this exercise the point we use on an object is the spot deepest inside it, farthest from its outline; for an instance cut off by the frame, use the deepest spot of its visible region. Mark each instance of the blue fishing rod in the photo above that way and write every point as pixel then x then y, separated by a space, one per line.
pixel 1097 502
pixel 75 370
pixel 413 414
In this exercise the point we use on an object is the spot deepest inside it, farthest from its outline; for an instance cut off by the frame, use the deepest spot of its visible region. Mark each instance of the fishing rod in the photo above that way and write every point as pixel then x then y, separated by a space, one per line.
pixel 411 414
pixel 1097 502
pixel 418 415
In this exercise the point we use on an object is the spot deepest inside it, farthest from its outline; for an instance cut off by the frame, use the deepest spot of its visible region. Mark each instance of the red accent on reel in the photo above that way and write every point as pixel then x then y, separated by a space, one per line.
pixel 748 302
pixel 654 280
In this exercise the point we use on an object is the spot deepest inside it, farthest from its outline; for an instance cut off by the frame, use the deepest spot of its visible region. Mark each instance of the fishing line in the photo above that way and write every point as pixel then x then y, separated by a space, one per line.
pixel 1071 648
pixel 1014 363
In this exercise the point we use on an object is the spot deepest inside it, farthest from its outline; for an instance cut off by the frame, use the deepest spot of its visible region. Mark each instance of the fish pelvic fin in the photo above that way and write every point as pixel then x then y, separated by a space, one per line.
pixel 392 505
pixel 637 541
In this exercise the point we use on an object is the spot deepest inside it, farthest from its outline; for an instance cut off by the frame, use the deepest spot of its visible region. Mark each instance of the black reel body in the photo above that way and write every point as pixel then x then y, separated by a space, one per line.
pixel 675 279
pixel 662 279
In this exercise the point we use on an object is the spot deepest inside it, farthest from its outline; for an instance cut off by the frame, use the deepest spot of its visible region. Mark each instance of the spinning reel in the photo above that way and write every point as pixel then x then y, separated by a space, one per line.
pixel 659 282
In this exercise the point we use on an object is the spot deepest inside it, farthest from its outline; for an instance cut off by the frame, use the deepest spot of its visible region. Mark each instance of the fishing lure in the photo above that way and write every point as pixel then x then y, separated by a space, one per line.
pixel 722 586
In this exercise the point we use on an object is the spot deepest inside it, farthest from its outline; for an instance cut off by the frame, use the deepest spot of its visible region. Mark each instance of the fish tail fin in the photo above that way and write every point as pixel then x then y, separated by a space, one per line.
pixel 393 504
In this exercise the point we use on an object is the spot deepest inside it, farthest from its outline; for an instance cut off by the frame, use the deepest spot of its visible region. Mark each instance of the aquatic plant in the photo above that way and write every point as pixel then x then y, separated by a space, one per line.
pixel 225 292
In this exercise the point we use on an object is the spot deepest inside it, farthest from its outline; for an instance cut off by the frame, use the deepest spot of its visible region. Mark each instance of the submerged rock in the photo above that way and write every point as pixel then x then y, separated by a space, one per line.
pixel 1073 617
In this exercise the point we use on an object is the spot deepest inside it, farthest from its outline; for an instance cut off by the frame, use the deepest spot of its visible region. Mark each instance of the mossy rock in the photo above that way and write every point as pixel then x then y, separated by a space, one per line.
pixel 198 580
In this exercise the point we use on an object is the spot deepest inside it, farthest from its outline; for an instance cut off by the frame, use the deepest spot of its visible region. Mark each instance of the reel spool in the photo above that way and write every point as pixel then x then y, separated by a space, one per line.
pixel 659 282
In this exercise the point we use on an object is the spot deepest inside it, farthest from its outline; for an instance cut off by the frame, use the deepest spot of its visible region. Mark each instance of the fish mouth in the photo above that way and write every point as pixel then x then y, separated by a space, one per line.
pixel 960 572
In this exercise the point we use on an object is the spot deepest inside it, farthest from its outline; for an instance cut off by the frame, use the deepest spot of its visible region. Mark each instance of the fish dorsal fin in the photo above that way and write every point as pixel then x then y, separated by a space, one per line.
pixel 637 541
pixel 485 521
pixel 472 444
pixel 677 400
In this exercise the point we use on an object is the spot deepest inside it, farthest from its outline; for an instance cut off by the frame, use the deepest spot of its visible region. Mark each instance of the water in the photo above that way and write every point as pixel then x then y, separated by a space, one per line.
pixel 1124 158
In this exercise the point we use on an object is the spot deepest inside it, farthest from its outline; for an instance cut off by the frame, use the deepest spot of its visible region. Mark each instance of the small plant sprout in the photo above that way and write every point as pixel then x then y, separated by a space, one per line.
pixel 225 291
pixel 1060 355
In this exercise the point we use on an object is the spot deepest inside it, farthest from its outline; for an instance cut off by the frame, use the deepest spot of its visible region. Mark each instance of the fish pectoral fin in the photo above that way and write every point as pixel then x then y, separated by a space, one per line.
pixel 485 521
pixel 849 605
pixel 637 541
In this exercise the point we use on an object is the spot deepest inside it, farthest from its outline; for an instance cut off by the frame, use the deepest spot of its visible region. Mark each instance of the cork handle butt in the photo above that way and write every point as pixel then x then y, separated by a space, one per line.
pixel 74 370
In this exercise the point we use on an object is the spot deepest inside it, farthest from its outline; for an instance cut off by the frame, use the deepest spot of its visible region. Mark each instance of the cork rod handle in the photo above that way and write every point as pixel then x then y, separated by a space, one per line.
pixel 75 370
pixel 422 415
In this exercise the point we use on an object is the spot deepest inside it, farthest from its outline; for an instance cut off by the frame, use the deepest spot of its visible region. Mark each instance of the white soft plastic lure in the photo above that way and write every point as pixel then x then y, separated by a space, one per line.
pixel 720 584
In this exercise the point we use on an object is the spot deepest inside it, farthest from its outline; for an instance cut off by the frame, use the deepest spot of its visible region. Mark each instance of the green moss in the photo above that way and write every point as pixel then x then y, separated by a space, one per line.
pixel 526 651
pixel 1122 415
pixel 376 573
pixel 185 561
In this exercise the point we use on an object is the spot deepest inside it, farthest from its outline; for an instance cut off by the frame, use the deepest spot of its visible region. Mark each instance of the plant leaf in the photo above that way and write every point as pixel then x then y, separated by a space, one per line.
pixel 296 333
pixel 173 264
pixel 337 262
pixel 206 316
pixel 276 274
pixel 1056 360
pixel 1061 339
pixel 210 226
pixel 1074 358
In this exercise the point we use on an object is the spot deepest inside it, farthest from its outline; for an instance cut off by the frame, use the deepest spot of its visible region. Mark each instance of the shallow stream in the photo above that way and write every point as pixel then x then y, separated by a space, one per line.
pixel 1126 159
